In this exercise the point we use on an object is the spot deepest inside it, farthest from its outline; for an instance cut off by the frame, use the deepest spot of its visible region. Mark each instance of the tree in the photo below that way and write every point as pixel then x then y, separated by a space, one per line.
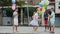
pixel 21 3
pixel 5 2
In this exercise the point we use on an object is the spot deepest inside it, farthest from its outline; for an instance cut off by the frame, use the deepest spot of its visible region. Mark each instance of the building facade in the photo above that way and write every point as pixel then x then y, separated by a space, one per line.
pixel 6 12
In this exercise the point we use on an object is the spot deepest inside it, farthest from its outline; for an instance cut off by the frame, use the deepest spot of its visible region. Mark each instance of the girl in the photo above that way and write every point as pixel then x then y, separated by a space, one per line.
pixel 46 19
pixel 15 15
pixel 34 22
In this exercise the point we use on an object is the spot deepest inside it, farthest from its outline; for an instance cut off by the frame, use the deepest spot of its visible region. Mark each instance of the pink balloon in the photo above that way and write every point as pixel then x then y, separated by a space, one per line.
pixel 40 8
pixel 13 6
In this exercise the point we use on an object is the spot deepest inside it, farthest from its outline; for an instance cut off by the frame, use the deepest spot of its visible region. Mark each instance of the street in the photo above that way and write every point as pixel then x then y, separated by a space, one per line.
pixel 26 30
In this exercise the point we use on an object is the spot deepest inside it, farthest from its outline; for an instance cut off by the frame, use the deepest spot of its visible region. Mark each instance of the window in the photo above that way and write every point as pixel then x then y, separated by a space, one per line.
pixel 52 0
pixel 59 3
pixel 7 12
pixel 59 7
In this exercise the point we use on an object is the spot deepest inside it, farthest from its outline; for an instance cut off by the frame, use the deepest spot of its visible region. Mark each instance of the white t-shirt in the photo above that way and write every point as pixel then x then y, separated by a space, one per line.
pixel 52 16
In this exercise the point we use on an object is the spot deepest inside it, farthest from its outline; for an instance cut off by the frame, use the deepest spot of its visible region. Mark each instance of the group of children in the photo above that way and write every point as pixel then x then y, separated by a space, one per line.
pixel 49 19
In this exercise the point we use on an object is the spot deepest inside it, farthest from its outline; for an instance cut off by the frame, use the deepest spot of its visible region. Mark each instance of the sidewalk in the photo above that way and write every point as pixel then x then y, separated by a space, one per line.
pixel 8 29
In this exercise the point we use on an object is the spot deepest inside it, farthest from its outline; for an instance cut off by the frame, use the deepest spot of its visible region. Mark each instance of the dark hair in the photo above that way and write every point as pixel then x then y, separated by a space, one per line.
pixel 46 11
pixel 49 12
pixel 35 10
pixel 16 8
pixel 52 8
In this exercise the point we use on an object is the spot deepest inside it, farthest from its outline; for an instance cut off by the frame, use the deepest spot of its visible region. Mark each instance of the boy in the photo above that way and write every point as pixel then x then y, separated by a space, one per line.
pixel 52 20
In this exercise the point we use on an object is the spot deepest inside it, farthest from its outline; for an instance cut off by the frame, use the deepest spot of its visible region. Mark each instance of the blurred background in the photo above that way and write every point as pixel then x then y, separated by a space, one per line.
pixel 25 11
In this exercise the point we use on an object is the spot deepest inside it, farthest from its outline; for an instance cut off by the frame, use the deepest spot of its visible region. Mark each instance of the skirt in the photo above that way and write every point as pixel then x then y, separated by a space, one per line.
pixel 34 23
pixel 15 21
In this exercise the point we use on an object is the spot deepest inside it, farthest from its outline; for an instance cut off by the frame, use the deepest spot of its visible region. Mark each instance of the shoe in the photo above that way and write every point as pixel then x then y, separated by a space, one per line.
pixel 52 31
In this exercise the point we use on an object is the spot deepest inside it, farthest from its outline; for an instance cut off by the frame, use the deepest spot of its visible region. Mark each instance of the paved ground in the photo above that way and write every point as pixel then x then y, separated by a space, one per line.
pixel 26 30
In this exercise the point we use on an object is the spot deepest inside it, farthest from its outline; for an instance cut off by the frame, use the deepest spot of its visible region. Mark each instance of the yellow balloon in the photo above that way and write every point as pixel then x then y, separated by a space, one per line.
pixel 43 9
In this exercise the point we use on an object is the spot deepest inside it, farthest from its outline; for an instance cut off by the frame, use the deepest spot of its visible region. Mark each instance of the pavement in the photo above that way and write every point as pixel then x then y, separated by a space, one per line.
pixel 26 30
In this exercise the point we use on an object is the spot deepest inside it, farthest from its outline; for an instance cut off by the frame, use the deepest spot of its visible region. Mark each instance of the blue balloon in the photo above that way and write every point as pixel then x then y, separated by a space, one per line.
pixel 13 1
pixel 41 4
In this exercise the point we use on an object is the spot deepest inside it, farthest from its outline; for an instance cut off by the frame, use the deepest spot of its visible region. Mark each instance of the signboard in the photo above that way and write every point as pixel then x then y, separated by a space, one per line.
pixel 50 6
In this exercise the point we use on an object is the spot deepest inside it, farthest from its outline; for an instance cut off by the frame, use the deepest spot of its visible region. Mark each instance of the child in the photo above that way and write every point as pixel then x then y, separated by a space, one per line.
pixel 46 19
pixel 52 20
pixel 34 22
pixel 49 23
pixel 15 15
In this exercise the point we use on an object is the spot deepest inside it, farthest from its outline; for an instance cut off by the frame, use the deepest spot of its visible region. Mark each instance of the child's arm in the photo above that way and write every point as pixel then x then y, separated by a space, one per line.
pixel 48 17
pixel 14 14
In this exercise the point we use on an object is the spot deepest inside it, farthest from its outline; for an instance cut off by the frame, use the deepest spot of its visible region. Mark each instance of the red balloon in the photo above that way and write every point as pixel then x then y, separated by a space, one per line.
pixel 40 8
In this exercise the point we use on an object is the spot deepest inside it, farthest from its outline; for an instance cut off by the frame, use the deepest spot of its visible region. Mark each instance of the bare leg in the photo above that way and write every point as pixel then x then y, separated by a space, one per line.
pixel 53 28
pixel 13 28
pixel 16 27
pixel 50 28
pixel 36 28
pixel 45 27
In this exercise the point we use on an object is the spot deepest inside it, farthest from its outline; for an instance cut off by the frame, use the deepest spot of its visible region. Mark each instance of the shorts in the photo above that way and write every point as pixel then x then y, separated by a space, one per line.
pixel 52 22
pixel 46 22
pixel 49 23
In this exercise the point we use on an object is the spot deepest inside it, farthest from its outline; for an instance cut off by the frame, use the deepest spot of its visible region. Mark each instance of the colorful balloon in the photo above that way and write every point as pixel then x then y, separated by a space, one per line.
pixel 43 9
pixel 45 5
pixel 40 4
pixel 40 8
pixel 13 1
pixel 46 1
pixel 13 6
pixel 40 12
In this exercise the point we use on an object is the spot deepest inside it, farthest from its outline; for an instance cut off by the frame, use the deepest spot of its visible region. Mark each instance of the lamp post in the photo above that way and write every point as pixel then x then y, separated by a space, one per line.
pixel 27 11
pixel 2 9
pixel 21 16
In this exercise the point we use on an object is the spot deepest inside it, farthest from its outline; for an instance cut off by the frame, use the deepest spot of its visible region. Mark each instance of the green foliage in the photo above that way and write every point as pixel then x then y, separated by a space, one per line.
pixel 9 12
pixel 9 3
pixel 20 3
pixel 31 10
pixel 5 2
